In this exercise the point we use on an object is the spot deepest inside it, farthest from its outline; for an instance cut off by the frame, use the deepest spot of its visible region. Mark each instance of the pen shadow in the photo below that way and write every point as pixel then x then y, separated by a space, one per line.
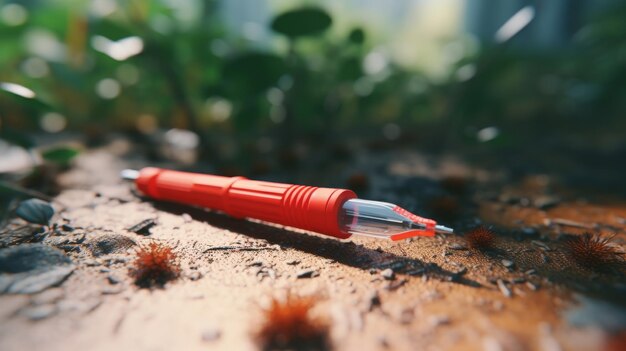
pixel 346 253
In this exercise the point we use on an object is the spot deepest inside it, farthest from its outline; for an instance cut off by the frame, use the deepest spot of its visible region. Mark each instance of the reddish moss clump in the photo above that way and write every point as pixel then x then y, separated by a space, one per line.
pixel 288 325
pixel 480 238
pixel 593 251
pixel 155 265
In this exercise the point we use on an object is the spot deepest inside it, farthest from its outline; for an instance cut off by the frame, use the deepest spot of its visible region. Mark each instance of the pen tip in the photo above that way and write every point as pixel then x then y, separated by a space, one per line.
pixel 443 229
pixel 129 174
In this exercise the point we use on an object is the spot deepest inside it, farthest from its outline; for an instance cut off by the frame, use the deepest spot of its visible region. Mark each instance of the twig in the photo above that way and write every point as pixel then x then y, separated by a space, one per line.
pixel 32 193
pixel 237 248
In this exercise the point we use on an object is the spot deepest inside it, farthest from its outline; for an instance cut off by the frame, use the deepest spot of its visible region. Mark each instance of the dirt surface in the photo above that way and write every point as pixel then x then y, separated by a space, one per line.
pixel 526 294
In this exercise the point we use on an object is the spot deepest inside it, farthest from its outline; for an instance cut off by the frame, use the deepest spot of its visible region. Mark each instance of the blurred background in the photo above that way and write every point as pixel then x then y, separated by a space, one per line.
pixel 261 88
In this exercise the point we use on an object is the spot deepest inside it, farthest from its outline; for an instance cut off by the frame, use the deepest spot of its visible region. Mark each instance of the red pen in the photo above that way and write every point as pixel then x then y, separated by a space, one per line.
pixel 329 211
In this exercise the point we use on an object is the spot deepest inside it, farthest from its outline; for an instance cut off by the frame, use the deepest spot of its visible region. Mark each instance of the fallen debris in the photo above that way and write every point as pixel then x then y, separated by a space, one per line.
pixel 31 268
pixel 503 288
pixel 143 227
pixel 307 273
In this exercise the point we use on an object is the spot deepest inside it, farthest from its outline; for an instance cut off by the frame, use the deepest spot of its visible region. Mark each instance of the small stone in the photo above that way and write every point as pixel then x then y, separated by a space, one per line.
pixel 531 271
pixel 504 289
pixel 532 286
pixel 256 264
pixel 91 263
pixel 293 262
pixel 307 273
pixel 541 245
pixel 67 228
pixel 143 227
pixel 406 316
pixel 388 274
pixel 211 335
pixel 195 275
pixel 507 263
pixel 439 320
pixel 113 279
pixel 39 312
pixel 456 246
pixel 112 290
pixel 186 217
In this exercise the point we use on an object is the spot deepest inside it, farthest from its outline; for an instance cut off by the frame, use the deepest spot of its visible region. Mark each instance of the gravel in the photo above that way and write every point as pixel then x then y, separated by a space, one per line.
pixel 388 274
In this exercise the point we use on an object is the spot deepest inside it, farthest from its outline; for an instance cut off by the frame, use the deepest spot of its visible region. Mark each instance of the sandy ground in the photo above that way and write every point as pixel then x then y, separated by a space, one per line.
pixel 443 297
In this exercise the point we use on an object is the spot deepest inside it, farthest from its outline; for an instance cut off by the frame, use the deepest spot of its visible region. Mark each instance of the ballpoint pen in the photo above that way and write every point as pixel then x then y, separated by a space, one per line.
pixel 329 211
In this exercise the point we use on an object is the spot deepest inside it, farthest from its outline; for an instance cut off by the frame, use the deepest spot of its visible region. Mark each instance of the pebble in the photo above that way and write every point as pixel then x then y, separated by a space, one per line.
pixel 112 290
pixel 186 217
pixel 504 289
pixel 211 335
pixel 541 245
pixel 388 274
pixel 67 228
pixel 532 286
pixel 406 316
pixel 91 263
pixel 293 262
pixel 439 320
pixel 256 264
pixel 456 246
pixel 39 312
pixel 143 227
pixel 194 275
pixel 113 279
pixel 507 263
pixel 307 273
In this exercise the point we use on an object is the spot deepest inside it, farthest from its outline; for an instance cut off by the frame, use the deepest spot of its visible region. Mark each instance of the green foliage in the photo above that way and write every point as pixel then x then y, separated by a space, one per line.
pixel 317 88
pixel 60 155
pixel 302 22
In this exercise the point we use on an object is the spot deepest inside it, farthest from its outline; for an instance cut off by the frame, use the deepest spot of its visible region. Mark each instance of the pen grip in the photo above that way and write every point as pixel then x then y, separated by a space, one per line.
pixel 305 207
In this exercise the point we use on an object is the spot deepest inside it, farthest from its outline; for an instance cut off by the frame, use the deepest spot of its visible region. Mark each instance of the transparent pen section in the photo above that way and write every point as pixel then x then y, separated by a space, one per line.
pixel 382 220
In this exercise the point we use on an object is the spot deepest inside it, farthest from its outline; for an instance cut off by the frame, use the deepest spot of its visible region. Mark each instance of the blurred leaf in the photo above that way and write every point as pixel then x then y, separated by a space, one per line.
pixel 350 69
pixel 16 137
pixel 357 36
pixel 35 211
pixel 253 71
pixel 61 155
pixel 23 96
pixel 302 22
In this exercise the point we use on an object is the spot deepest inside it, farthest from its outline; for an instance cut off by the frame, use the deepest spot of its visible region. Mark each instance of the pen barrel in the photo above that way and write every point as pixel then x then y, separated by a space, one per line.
pixel 305 207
